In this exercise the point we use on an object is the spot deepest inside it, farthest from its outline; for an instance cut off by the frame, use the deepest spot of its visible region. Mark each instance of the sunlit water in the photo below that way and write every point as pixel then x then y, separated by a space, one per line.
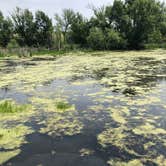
pixel 118 113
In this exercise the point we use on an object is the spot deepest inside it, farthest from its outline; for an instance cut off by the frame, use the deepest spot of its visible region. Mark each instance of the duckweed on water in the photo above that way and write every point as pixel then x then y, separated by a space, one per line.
pixel 60 125
pixel 5 156
pixel 148 129
pixel 53 104
pixel 64 121
pixel 11 139
pixel 120 114
pixel 113 136
pixel 121 163
pixel 122 72
pixel 124 85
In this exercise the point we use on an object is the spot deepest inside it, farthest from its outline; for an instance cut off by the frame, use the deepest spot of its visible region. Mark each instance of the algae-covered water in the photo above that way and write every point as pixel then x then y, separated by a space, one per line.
pixel 93 109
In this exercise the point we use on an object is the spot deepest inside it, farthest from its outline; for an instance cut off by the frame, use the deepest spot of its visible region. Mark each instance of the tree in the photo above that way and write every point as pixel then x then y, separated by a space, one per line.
pixel 99 20
pixel 79 30
pixel 59 40
pixel 65 21
pixel 146 17
pixel 114 40
pixel 6 30
pixel 43 29
pixel 96 39
pixel 118 17
pixel 24 26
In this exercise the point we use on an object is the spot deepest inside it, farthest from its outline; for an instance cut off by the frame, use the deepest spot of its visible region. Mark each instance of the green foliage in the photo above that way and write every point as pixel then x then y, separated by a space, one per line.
pixel 30 31
pixel 23 26
pixel 2 53
pixel 114 40
pixel 99 20
pixel 96 39
pixel 110 39
pixel 8 106
pixel 62 105
pixel 5 30
pixel 43 29
pixel 129 24
pixel 64 21
pixel 155 37
pixel 12 44
pixel 147 16
pixel 79 30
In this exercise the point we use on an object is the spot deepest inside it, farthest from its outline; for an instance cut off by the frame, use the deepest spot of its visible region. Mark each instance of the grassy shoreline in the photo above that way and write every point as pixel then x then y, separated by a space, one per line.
pixel 30 53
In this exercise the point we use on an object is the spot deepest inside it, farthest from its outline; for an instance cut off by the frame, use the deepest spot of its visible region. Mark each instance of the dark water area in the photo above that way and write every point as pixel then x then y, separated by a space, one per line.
pixel 118 113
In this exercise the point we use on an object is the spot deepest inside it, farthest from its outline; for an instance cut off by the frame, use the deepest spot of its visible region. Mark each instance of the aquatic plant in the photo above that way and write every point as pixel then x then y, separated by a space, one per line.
pixel 9 106
pixel 134 162
pixel 63 106
pixel 113 136
pixel 5 156
pixel 122 92
pixel 73 66
pixel 61 125
pixel 148 129
pixel 11 139
pixel 52 104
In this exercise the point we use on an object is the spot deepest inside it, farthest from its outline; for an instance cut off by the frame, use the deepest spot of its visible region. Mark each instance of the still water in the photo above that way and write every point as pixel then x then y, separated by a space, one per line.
pixel 115 114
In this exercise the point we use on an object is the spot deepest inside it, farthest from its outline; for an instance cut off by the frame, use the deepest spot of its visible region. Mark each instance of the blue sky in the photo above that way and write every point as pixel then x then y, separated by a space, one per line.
pixel 51 6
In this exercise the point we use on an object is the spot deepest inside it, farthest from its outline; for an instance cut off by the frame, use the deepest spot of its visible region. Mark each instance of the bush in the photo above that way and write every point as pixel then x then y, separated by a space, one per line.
pixel 155 37
pixel 96 39
pixel 114 40
pixel 2 53
pixel 155 46
pixel 12 44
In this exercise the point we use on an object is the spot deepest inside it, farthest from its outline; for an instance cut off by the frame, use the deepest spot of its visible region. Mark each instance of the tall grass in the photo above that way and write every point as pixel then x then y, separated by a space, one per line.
pixel 20 52
pixel 62 105
pixel 8 106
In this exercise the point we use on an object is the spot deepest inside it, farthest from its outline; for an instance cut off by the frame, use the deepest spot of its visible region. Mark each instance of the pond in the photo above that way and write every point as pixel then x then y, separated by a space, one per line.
pixel 93 109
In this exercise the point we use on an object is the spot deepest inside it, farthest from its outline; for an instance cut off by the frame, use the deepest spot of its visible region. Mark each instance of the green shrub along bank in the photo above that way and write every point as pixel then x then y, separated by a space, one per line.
pixel 129 24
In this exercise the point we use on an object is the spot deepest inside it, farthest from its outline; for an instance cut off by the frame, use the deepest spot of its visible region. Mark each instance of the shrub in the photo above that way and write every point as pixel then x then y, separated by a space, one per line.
pixel 155 37
pixel 12 44
pixel 96 39
pixel 2 53
pixel 114 40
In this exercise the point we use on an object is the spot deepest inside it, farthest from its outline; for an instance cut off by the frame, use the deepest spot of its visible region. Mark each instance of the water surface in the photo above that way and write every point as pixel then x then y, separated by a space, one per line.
pixel 117 114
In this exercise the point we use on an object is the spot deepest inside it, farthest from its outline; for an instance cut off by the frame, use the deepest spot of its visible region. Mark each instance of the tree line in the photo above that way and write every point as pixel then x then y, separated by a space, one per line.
pixel 129 24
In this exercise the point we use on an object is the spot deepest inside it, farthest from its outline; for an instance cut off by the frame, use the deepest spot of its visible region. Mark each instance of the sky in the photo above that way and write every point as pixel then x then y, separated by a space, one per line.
pixel 52 6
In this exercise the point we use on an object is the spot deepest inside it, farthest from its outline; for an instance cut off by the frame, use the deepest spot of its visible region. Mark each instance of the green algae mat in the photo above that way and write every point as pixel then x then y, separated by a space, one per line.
pixel 94 109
